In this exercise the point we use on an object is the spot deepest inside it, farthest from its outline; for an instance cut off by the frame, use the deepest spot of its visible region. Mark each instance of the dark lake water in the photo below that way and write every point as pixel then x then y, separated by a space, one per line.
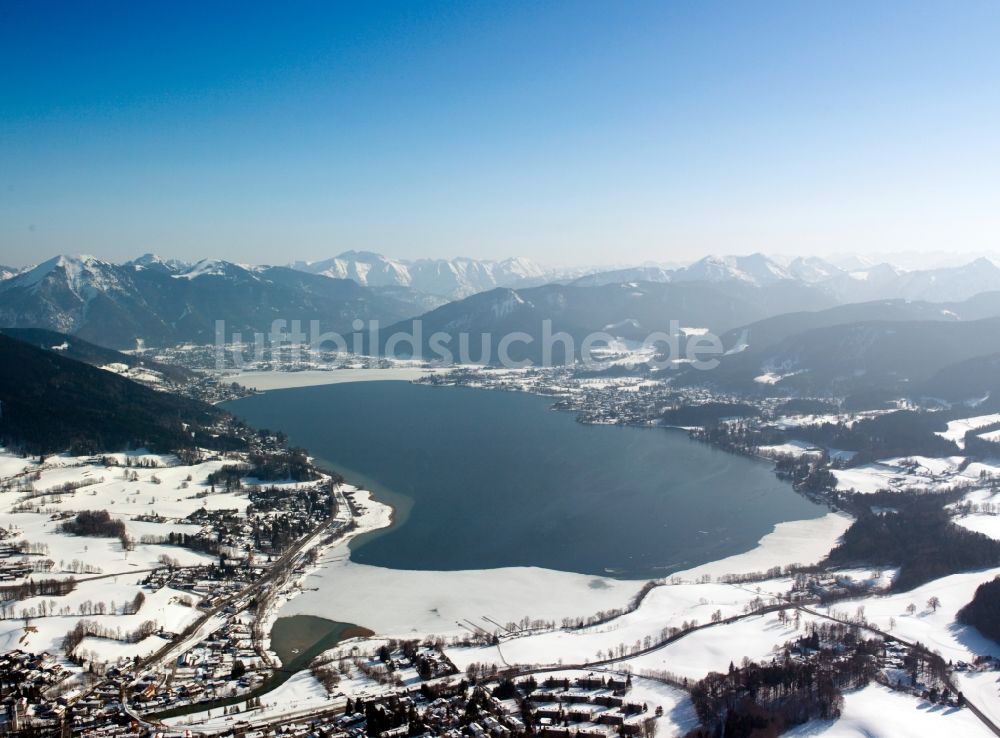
pixel 486 479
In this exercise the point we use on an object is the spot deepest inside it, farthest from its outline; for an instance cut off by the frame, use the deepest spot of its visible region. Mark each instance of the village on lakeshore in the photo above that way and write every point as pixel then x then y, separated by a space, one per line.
pixel 141 591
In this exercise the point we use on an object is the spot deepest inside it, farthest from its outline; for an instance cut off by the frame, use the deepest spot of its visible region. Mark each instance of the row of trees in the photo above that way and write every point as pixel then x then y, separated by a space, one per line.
pixel 91 628
pixel 38 588
pixel 50 608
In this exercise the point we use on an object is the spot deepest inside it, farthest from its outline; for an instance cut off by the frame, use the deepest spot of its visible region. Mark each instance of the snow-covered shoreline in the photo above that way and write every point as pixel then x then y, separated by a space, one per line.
pixel 274 380
pixel 396 602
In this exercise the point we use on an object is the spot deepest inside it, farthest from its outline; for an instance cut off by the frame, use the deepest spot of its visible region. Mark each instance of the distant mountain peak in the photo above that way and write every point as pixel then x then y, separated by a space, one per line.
pixel 354 255
pixel 756 269
pixel 812 269
pixel 79 273
pixel 154 261
pixel 214 268
pixel 983 262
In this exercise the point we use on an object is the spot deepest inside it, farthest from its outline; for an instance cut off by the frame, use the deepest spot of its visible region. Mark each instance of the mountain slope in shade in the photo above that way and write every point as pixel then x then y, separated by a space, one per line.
pixel 973 381
pixel 626 310
pixel 51 403
pixel 897 356
pixel 770 331
pixel 74 347
pixel 620 276
pixel 954 283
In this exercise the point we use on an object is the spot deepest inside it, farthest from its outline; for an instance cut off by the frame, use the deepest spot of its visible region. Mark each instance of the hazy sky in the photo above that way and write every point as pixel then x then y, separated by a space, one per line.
pixel 567 132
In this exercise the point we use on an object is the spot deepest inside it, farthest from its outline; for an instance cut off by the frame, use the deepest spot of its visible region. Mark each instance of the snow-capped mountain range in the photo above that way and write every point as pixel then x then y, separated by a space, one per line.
pixel 164 300
pixel 115 304
pixel 865 281
pixel 451 278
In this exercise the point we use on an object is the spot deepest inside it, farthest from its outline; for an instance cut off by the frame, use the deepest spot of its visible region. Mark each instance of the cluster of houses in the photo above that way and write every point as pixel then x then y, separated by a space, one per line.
pixel 223 665
pixel 14 563
pixel 591 705
pixel 211 585
pixel 100 713
pixel 829 586
pixel 616 396
pixel 275 518
pixel 594 705
pixel 25 678
pixel 261 358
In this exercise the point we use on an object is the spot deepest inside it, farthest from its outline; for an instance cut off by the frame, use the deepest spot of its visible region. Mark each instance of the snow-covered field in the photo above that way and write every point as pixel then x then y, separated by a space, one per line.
pixel 983 689
pixel 914 472
pixel 787 422
pixel 988 525
pixel 938 630
pixel 165 490
pixel 958 428
pixel 791 448
pixel 713 649
pixel 877 712
pixel 46 633
pixel 910 473
pixel 299 695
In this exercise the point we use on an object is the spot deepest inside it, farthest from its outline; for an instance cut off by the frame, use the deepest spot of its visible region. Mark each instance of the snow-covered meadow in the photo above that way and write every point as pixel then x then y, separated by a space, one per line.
pixel 878 712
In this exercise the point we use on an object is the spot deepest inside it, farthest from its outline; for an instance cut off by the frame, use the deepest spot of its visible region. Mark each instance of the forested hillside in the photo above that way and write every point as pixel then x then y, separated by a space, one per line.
pixel 49 403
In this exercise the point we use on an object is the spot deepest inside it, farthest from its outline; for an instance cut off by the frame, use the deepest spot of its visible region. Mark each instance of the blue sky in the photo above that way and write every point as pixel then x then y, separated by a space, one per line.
pixel 568 132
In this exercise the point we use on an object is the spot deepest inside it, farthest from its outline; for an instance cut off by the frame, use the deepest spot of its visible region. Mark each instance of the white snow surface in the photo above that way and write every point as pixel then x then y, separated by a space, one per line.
pixel 983 690
pixel 271 380
pixel 988 525
pixel 958 428
pixel 791 448
pixel 713 649
pixel 878 712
